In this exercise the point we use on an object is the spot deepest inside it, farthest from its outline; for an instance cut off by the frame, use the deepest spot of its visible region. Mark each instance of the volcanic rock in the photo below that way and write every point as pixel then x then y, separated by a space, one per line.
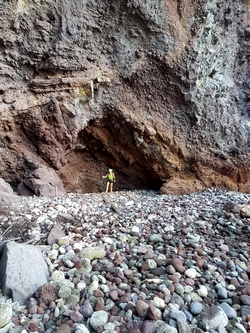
pixel 23 270
pixel 159 91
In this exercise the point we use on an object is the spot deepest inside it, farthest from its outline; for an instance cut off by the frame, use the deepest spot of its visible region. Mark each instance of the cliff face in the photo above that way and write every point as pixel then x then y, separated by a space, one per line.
pixel 157 90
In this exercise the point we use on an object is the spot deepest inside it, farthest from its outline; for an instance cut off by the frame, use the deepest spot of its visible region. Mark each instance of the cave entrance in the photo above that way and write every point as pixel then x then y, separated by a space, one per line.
pixel 109 142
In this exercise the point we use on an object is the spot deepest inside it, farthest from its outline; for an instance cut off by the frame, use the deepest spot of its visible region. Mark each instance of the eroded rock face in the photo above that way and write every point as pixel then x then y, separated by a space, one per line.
pixel 156 90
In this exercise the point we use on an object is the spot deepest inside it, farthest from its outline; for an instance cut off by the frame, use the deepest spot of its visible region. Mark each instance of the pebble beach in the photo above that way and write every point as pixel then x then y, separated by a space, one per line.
pixel 135 261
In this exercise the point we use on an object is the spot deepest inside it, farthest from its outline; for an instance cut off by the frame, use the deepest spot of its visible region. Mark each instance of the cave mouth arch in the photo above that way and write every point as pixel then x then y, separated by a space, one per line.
pixel 110 142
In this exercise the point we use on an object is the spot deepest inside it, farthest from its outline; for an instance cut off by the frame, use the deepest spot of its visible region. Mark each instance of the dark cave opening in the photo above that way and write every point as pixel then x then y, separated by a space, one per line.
pixel 110 142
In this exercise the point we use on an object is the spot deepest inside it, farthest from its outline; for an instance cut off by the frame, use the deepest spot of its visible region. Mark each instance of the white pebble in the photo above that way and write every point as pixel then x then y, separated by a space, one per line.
pixel 202 291
pixel 191 273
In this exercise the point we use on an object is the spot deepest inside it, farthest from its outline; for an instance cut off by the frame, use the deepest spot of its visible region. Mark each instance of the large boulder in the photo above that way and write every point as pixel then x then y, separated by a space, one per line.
pixel 43 181
pixel 7 195
pixel 180 186
pixel 23 270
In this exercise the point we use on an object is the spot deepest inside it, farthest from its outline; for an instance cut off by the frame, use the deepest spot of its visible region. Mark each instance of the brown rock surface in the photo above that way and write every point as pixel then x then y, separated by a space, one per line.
pixel 159 91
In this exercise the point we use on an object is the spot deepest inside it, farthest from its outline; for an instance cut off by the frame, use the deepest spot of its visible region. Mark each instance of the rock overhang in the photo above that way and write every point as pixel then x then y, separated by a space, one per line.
pixel 151 68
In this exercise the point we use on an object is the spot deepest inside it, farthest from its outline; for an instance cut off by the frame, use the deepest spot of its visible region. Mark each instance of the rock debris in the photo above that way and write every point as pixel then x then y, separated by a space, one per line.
pixel 134 261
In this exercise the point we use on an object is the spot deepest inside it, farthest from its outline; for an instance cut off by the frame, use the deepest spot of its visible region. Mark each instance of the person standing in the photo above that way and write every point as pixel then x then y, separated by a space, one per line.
pixel 110 176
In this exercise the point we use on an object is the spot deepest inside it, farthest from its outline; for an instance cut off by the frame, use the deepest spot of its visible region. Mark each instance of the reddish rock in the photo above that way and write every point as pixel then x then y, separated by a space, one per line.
pixel 128 273
pixel 33 309
pixel 46 294
pixel 117 260
pixel 153 312
pixel 173 278
pixel 113 295
pixel 129 306
pixel 64 328
pixel 142 308
pixel 178 265
pixel 158 271
pixel 76 317
pixel 98 293
pixel 149 255
pixel 40 310
pixel 56 133
pixel 117 280
pixel 15 320
pixel 33 325
pixel 244 276
pixel 190 282
pixel 144 267
pixel 43 306
pixel 99 306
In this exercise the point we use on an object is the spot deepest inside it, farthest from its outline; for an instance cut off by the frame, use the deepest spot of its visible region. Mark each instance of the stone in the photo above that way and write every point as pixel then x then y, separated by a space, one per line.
pixel 46 294
pixel 113 295
pixel 149 255
pixel 177 299
pixel 92 253
pixel 148 327
pixel 229 311
pixel 55 233
pixel 151 263
pixel 86 309
pixel 64 328
pixel 245 211
pixel 142 308
pixel 178 265
pixel 179 187
pixel 182 326
pixel 76 316
pixel 5 314
pixel 33 325
pixel 153 312
pixel 64 292
pixel 214 316
pixel 7 195
pixel 177 314
pixel 157 271
pixel 10 327
pixel 191 273
pixel 98 318
pixel 135 231
pixel 161 326
pixel 202 291
pixel 195 308
pixel 245 299
pixel 222 292
pixel 179 289
pixel 81 328
pixel 23 263
pixel 159 303
pixel 155 238
pixel 43 181
pixel 245 310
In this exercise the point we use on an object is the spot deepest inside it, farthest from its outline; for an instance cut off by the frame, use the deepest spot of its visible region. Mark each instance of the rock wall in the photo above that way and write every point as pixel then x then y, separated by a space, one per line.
pixel 157 90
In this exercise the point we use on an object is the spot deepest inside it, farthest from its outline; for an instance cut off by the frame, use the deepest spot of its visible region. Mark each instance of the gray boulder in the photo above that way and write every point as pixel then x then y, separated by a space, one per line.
pixel 43 181
pixel 23 270
pixel 7 195
pixel 214 316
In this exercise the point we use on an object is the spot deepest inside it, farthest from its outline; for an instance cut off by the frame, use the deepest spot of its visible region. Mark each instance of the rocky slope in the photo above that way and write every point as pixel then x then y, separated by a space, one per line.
pixel 157 90
pixel 131 262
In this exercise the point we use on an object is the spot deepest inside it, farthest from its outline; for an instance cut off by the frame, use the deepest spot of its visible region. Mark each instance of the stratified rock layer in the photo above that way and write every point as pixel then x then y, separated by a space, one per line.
pixel 159 91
